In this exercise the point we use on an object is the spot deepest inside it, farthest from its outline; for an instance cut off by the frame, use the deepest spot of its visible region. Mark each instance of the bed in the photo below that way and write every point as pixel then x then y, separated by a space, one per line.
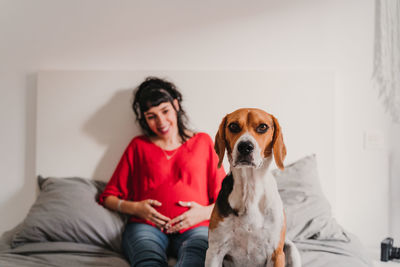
pixel 67 227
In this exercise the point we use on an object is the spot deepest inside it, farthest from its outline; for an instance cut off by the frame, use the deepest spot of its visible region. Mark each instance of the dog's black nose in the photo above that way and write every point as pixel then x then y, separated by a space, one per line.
pixel 245 148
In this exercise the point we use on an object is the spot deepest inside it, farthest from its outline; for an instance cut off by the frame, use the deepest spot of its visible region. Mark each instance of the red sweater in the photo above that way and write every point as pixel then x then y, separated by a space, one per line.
pixel 144 172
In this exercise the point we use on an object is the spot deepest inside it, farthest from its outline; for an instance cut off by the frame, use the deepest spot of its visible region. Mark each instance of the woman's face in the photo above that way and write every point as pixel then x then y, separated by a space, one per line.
pixel 162 120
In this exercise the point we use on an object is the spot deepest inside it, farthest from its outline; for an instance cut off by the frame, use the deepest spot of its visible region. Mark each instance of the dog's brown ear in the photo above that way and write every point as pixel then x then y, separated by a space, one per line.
pixel 220 143
pixel 278 146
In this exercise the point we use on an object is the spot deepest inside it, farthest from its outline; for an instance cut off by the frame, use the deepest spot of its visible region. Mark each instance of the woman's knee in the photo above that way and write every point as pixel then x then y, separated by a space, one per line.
pixel 193 252
pixel 198 237
pixel 194 246
pixel 199 243
pixel 144 247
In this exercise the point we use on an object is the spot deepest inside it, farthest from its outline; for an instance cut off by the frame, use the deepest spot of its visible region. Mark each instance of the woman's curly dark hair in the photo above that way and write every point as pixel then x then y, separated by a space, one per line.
pixel 152 92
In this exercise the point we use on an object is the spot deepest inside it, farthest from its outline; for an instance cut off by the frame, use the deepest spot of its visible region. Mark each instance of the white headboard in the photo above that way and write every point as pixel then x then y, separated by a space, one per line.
pixel 84 119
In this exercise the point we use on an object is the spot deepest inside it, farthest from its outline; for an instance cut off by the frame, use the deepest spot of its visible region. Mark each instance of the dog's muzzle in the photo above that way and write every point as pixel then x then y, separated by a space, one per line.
pixel 245 154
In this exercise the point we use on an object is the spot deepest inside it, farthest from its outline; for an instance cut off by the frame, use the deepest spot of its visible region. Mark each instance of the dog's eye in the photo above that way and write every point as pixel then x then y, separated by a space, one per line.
pixel 234 127
pixel 262 128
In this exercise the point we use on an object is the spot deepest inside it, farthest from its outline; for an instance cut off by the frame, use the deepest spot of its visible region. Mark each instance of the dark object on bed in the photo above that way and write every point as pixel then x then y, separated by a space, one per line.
pixel 388 252
pixel 67 227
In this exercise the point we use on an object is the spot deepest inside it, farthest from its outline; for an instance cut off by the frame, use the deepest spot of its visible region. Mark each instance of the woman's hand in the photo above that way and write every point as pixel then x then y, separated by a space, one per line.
pixel 196 214
pixel 144 210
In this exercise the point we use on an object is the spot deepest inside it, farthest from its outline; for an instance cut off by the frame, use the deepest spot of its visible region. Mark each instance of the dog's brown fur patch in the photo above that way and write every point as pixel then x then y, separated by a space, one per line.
pixel 216 218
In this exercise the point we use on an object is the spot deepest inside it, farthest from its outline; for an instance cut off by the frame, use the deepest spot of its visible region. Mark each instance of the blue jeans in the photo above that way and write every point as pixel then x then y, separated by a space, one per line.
pixel 145 245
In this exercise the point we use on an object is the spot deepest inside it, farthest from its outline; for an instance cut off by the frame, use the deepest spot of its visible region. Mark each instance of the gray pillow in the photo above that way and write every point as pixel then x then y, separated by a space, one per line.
pixel 308 212
pixel 66 210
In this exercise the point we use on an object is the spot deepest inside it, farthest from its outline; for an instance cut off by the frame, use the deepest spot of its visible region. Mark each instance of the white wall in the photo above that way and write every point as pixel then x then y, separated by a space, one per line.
pixel 394 182
pixel 335 35
pixel 95 122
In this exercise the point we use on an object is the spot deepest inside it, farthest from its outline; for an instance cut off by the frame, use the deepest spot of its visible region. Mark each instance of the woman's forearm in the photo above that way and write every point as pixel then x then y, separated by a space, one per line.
pixel 112 202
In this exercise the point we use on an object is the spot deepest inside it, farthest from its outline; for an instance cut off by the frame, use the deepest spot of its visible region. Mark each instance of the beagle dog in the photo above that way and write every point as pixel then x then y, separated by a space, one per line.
pixel 248 225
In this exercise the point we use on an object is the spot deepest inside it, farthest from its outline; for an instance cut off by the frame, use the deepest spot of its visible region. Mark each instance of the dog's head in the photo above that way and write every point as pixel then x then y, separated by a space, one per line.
pixel 250 135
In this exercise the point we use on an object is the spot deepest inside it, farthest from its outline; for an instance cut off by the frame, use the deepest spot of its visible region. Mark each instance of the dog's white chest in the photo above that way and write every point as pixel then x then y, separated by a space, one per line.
pixel 252 239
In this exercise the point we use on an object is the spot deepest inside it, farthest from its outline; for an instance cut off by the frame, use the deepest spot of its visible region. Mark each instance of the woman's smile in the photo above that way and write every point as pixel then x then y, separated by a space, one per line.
pixel 163 129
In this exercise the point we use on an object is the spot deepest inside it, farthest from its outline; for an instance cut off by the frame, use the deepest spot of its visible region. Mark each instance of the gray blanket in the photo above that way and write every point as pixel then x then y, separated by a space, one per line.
pixel 317 253
pixel 314 253
pixel 60 254
pixel 55 254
